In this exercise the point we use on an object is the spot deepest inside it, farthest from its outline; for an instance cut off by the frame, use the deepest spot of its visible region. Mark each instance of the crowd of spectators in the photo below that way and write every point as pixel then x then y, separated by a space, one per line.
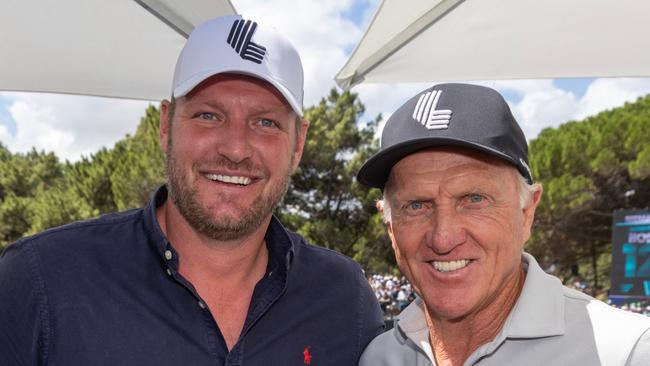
pixel 393 293
pixel 639 307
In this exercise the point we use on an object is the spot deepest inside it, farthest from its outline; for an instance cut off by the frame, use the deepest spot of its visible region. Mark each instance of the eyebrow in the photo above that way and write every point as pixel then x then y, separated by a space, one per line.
pixel 255 109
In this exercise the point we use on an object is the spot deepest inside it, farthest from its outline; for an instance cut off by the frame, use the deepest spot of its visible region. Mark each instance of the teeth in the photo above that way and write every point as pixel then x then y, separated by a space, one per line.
pixel 448 266
pixel 229 179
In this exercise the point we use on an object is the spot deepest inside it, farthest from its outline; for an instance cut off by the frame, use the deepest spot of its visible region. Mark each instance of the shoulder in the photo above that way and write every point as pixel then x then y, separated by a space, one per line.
pixel 63 241
pixel 614 332
pixel 317 257
pixel 599 312
pixel 389 348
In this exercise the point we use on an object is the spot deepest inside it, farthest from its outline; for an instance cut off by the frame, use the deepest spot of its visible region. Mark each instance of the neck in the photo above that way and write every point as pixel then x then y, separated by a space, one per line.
pixel 236 261
pixel 454 340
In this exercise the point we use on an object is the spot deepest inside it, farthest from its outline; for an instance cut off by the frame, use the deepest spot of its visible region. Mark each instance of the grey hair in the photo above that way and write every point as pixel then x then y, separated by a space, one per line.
pixel 526 191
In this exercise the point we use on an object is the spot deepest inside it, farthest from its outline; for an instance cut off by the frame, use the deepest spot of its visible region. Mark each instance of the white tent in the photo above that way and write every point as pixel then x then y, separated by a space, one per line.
pixel 441 40
pixel 113 48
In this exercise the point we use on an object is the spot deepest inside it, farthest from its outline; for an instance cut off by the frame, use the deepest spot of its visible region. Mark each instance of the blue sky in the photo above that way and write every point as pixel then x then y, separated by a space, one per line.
pixel 325 33
pixel 5 116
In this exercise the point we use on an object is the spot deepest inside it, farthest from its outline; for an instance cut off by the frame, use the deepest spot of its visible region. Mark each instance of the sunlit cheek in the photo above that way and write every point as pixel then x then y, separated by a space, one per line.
pixel 402 261
pixel 410 239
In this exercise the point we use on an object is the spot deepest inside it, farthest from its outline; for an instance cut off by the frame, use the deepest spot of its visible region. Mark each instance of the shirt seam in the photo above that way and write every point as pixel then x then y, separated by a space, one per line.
pixel 45 331
pixel 360 313
pixel 98 221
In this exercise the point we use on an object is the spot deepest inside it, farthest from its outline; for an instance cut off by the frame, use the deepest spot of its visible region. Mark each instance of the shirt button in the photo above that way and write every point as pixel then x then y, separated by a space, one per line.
pixel 201 305
pixel 168 254
pixel 270 273
pixel 169 271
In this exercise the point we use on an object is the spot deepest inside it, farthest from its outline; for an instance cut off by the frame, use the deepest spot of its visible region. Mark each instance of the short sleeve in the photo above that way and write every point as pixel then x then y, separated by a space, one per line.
pixel 371 315
pixel 640 355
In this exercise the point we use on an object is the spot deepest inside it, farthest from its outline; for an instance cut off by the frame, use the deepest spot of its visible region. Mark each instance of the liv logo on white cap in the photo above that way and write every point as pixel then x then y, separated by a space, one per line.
pixel 239 39
pixel 425 111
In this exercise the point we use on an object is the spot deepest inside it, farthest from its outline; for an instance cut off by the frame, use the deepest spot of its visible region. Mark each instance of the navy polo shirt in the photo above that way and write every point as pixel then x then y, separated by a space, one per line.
pixel 107 292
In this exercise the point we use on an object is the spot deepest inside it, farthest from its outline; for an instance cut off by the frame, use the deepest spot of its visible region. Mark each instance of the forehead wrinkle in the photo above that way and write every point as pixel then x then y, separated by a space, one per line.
pixel 416 180
pixel 253 109
pixel 247 87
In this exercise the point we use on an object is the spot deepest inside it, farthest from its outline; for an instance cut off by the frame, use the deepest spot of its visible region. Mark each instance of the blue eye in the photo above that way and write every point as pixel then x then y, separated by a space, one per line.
pixel 206 115
pixel 416 205
pixel 267 122
pixel 476 198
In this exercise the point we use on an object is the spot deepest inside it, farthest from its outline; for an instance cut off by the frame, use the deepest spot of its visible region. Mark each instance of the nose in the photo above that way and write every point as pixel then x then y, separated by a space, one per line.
pixel 447 231
pixel 234 141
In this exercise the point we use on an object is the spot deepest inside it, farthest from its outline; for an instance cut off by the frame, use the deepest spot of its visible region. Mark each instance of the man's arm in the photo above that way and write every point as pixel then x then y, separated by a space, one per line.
pixel 370 314
pixel 23 308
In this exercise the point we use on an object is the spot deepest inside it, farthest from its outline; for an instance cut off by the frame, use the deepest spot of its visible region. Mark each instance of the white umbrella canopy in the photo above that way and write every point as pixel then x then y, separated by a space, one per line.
pixel 110 48
pixel 441 40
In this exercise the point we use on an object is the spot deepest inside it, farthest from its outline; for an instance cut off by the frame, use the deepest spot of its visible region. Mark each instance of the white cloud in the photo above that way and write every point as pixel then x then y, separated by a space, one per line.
pixel 70 126
pixel 545 105
pixel 323 34
pixel 35 126
pixel 542 104
pixel 605 94
pixel 384 99
pixel 4 133
pixel 318 29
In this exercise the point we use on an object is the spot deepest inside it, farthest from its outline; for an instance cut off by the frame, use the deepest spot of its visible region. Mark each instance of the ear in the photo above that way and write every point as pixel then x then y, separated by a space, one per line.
pixel 300 141
pixel 163 136
pixel 529 211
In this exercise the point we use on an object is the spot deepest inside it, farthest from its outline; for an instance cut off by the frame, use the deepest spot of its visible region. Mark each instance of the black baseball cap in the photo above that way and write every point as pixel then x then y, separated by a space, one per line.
pixel 463 115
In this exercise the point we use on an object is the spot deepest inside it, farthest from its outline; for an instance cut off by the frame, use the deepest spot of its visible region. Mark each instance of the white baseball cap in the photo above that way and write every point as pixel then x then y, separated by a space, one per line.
pixel 231 44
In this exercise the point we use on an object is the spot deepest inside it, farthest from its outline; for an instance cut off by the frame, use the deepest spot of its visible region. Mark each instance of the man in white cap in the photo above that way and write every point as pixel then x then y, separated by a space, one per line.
pixel 204 275
pixel 459 202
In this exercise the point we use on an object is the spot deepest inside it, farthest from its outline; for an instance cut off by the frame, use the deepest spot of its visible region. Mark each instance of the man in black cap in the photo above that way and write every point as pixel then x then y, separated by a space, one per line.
pixel 459 202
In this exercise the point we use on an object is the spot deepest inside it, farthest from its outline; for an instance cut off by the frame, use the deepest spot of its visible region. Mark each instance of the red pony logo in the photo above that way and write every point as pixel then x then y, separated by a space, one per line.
pixel 307 355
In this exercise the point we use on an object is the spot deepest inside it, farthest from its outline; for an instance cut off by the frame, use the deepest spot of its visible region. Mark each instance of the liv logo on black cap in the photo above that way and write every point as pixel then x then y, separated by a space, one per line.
pixel 425 111
pixel 523 163
pixel 239 39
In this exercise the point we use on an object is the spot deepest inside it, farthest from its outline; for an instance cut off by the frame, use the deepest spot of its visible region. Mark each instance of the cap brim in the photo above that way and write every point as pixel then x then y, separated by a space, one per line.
pixel 191 83
pixel 376 170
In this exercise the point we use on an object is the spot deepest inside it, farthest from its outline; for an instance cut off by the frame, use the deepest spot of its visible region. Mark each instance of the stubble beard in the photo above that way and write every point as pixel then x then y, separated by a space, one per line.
pixel 185 197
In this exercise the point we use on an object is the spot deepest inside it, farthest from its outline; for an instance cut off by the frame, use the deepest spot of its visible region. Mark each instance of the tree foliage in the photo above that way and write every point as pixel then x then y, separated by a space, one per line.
pixel 140 164
pixel 588 169
pixel 325 203
pixel 37 191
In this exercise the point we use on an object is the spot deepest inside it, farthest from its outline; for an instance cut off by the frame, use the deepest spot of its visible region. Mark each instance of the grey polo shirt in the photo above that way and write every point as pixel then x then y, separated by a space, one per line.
pixel 549 325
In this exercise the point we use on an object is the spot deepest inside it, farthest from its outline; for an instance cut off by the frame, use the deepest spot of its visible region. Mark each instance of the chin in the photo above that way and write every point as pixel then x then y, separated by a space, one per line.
pixel 448 305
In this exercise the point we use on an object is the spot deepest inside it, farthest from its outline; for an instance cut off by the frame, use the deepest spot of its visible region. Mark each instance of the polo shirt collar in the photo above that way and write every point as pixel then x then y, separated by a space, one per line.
pixel 278 241
pixel 412 324
pixel 538 313
pixel 156 236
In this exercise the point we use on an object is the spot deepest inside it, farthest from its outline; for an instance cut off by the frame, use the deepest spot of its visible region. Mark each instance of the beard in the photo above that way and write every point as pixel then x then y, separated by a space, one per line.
pixel 185 197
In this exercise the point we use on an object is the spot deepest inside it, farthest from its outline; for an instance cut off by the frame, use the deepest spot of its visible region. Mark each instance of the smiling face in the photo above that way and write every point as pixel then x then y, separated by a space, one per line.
pixel 231 149
pixel 458 229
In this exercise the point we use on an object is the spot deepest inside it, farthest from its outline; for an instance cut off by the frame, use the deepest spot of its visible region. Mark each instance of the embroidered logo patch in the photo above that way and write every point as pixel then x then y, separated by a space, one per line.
pixel 526 166
pixel 426 113
pixel 240 37
pixel 306 355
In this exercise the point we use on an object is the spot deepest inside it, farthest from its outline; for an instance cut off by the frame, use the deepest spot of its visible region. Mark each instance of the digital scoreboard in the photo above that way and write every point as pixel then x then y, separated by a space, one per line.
pixel 630 276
